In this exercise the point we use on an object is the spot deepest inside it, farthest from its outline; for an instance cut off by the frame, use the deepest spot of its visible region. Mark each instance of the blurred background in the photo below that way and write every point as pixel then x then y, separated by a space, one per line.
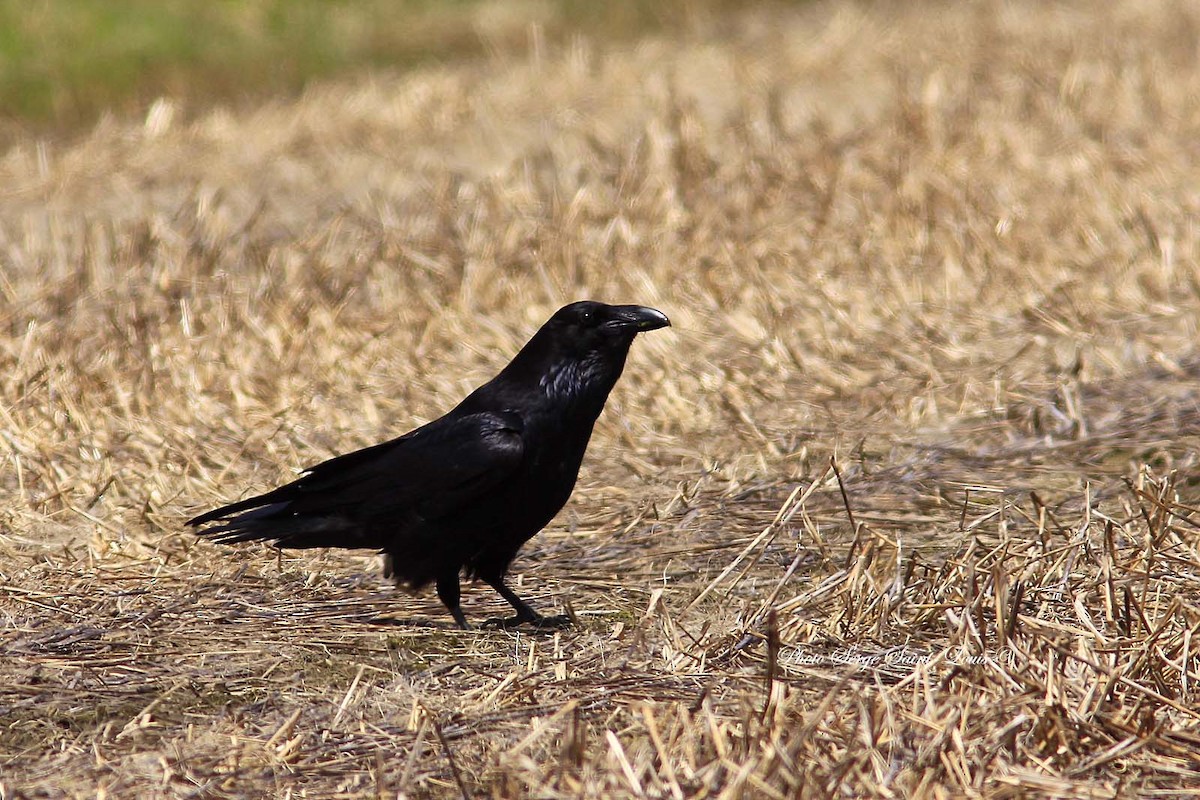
pixel 65 63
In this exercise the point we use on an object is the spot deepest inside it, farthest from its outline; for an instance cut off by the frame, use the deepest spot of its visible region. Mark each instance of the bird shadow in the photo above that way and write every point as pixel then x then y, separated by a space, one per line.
pixel 425 624
pixel 557 624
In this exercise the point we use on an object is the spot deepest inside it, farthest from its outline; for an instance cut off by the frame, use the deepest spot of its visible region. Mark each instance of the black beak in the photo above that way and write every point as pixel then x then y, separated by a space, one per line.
pixel 636 318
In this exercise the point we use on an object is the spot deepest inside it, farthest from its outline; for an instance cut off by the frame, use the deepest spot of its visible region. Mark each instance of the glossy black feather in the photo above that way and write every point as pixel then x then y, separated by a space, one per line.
pixel 465 491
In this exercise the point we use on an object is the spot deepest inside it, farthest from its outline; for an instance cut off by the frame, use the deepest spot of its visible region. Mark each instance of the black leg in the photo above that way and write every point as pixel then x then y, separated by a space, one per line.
pixel 525 612
pixel 448 592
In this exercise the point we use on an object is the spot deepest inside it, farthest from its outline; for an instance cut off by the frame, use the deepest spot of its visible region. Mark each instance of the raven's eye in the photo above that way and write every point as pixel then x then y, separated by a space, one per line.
pixel 586 316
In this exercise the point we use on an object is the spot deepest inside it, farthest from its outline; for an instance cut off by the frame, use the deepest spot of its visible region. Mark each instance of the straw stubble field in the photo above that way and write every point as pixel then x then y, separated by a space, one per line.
pixel 904 505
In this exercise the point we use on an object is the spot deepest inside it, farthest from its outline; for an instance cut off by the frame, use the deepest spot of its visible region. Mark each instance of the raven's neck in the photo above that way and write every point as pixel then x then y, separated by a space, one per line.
pixel 566 387
pixel 581 384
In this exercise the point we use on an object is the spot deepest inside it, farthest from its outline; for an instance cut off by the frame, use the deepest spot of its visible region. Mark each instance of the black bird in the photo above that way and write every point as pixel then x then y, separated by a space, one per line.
pixel 465 491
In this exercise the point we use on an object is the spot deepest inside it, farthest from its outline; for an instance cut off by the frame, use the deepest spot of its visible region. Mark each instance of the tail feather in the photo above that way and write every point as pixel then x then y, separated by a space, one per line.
pixel 259 505
pixel 257 519
pixel 233 520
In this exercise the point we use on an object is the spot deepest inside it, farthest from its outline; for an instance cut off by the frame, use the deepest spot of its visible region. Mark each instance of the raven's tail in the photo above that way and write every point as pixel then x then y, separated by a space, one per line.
pixel 269 517
pixel 261 502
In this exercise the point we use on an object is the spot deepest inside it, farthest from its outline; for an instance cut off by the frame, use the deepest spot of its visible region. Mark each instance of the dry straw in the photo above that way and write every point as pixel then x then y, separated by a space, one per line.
pixel 904 506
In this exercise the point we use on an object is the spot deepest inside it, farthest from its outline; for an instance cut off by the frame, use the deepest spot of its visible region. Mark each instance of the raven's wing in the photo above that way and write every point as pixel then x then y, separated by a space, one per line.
pixel 421 475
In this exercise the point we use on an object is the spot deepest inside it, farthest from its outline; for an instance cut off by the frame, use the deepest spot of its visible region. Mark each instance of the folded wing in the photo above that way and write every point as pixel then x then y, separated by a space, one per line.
pixel 367 497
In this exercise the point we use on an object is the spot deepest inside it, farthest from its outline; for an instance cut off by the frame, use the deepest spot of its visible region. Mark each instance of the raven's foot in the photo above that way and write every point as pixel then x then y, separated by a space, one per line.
pixel 539 622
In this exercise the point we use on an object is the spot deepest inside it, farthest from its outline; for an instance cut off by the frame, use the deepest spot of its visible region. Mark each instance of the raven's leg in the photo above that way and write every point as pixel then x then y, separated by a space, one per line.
pixel 448 592
pixel 525 612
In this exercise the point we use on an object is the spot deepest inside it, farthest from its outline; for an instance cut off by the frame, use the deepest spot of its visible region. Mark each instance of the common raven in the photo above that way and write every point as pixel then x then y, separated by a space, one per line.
pixel 465 491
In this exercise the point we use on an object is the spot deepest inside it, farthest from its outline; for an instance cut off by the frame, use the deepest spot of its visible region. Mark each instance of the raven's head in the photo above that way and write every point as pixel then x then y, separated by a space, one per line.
pixel 581 350
pixel 588 326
